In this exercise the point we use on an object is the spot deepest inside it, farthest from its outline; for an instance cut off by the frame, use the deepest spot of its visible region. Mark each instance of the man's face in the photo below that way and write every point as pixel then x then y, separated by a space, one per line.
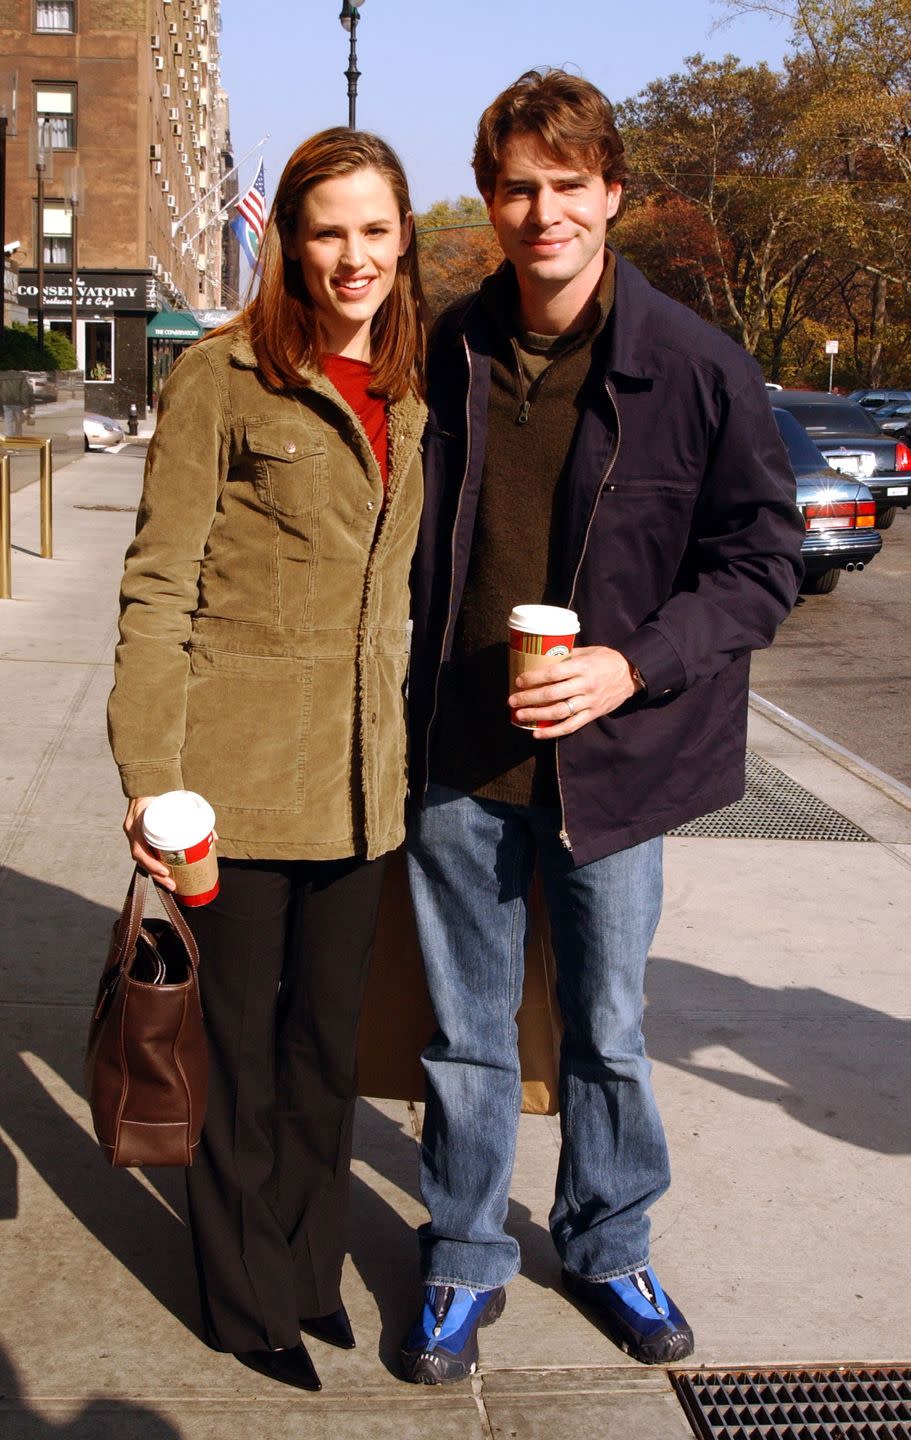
pixel 550 218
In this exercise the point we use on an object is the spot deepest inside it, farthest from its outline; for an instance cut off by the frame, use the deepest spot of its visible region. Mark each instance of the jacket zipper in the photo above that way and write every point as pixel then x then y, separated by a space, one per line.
pixel 564 833
pixel 455 531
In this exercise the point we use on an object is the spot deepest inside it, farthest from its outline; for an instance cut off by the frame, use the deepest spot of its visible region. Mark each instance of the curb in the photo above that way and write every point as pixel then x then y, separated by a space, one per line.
pixel 895 789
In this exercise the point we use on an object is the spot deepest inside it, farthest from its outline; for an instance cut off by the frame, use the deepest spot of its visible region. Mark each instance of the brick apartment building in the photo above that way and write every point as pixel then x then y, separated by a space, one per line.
pixel 126 98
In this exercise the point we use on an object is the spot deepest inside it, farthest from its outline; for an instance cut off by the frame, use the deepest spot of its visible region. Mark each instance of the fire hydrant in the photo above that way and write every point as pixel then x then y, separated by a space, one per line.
pixel 132 419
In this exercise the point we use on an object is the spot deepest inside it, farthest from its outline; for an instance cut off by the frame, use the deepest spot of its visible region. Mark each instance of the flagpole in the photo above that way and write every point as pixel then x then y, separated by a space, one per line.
pixel 176 224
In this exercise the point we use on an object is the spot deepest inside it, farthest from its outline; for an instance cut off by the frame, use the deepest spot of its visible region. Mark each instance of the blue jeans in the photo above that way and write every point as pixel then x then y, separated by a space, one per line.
pixel 470 864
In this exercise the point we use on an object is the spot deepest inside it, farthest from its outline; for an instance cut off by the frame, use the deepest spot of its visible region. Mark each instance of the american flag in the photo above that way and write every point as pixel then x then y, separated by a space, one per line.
pixel 249 224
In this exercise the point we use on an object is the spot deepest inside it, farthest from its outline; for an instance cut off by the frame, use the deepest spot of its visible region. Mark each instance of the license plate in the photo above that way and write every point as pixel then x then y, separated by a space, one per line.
pixel 897 490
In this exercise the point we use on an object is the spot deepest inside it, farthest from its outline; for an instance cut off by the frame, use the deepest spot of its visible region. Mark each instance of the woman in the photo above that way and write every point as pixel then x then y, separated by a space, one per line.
pixel 261 663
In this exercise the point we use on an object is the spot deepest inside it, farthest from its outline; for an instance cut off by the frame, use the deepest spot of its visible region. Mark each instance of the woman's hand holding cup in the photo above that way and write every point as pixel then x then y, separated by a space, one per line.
pixel 132 828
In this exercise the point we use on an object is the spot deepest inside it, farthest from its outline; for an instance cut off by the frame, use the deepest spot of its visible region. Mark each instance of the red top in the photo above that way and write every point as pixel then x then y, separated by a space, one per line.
pixel 351 379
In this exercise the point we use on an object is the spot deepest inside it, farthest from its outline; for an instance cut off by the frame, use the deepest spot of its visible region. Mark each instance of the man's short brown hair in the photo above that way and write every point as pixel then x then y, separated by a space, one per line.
pixel 570 117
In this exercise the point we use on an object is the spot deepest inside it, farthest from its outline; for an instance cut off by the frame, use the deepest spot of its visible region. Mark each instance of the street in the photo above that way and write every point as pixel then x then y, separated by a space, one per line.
pixel 842 662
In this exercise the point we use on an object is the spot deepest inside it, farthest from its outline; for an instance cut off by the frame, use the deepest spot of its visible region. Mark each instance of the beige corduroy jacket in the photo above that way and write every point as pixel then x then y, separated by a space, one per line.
pixel 263 641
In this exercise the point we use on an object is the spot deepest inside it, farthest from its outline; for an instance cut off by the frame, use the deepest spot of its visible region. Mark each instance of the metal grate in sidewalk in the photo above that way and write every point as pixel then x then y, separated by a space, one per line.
pixel 849 1403
pixel 774 807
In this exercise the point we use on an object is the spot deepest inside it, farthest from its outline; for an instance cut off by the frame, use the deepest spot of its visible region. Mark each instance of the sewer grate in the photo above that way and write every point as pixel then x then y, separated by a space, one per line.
pixel 774 807
pixel 872 1403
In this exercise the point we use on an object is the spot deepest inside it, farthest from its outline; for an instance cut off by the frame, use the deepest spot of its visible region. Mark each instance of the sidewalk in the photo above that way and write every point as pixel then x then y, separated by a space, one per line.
pixel 778 1022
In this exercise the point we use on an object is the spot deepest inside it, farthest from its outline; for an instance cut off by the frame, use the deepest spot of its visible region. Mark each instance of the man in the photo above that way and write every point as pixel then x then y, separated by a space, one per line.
pixel 594 445
pixel 16 398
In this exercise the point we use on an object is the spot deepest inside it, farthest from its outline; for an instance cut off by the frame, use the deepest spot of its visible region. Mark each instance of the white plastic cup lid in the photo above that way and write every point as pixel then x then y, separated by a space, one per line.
pixel 177 820
pixel 544 620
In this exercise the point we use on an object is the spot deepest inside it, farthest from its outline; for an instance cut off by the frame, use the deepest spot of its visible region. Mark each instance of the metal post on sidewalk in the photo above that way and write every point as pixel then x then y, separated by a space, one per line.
pixel 6 539
pixel 45 483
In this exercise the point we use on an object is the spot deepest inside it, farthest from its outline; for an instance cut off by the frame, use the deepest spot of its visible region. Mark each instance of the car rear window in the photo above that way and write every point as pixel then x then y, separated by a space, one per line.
pixel 824 419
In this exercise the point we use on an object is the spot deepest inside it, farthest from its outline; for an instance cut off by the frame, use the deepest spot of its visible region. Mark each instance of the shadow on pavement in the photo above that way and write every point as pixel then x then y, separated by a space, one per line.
pixel 98 1420
pixel 54 943
pixel 843 1069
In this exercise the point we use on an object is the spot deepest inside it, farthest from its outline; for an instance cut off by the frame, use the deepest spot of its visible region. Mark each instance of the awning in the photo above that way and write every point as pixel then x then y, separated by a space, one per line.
pixel 174 325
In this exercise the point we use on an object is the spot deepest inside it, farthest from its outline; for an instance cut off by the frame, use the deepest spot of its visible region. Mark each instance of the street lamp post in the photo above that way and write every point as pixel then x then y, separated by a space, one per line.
pixel 43 158
pixel 8 85
pixel 348 20
pixel 75 189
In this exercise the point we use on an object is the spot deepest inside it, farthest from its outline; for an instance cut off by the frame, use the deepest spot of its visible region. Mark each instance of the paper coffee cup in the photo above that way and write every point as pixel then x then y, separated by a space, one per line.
pixel 537 634
pixel 179 827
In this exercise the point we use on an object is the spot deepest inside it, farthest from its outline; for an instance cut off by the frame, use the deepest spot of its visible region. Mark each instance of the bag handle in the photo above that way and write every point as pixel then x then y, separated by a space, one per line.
pixel 132 914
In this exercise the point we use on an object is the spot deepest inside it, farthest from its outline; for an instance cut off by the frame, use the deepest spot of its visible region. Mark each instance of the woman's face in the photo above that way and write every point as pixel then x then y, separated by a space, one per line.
pixel 348 241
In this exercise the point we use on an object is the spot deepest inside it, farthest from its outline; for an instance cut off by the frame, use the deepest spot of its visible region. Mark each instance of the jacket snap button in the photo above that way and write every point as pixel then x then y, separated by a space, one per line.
pixel 290 447
pixel 369 504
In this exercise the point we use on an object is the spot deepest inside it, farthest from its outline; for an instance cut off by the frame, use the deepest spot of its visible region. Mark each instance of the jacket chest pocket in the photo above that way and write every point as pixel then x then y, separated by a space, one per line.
pixel 290 467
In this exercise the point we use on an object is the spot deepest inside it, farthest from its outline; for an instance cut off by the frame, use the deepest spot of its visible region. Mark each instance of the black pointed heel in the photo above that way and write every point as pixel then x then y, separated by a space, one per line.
pixel 334 1329
pixel 291 1367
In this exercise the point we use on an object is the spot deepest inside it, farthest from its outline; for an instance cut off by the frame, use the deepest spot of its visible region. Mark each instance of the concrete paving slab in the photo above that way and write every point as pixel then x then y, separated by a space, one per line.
pixel 582 1404
pixel 81 780
pixel 90 713
pixel 24 750
pixel 799 921
pixel 40 692
pixel 311 1416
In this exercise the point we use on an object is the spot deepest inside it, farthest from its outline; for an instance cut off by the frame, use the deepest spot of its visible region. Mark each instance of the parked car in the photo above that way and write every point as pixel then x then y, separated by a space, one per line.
pixel 839 512
pixel 101 433
pixel 42 385
pixel 852 442
pixel 873 399
pixel 894 418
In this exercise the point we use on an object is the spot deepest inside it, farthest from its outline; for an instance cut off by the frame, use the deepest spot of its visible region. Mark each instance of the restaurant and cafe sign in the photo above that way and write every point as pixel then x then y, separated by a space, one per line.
pixel 96 290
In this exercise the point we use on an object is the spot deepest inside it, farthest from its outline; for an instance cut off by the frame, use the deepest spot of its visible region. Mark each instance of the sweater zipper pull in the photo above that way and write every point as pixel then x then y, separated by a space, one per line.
pixel 522 417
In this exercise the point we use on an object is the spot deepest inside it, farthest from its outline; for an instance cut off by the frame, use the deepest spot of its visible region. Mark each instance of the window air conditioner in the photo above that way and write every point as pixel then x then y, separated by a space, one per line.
pixel 165 92
pixel 173 113
pixel 155 42
pixel 159 63
pixel 154 152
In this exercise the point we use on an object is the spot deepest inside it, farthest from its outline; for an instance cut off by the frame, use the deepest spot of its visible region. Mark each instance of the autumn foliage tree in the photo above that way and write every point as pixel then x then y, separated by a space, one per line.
pixel 457 248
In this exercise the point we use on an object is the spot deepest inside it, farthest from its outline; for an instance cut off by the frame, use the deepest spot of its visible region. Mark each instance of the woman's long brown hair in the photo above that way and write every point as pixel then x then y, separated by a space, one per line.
pixel 281 318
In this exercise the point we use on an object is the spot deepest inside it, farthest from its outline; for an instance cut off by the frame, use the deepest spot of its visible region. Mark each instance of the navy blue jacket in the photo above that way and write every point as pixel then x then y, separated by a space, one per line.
pixel 682 551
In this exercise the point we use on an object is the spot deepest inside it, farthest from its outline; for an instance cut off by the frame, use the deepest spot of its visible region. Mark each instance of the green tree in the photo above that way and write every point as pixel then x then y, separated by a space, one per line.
pixel 19 350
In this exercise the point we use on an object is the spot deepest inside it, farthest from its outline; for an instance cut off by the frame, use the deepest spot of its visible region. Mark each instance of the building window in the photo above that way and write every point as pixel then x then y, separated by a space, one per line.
pixel 58 234
pixel 99 350
pixel 55 109
pixel 55 16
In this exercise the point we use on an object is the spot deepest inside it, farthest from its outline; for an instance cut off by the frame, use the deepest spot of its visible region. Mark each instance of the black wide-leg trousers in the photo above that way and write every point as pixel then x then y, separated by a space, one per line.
pixel 284 951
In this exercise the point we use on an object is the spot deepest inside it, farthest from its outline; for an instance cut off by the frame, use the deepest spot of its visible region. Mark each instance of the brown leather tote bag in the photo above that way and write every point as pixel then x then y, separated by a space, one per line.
pixel 146 1067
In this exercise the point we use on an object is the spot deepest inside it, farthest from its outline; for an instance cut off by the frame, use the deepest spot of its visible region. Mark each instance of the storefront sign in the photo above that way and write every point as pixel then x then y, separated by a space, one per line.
pixel 96 290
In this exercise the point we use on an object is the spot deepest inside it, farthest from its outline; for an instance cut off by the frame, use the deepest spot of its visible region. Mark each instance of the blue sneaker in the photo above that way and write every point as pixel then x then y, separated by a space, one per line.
pixel 637 1315
pixel 442 1345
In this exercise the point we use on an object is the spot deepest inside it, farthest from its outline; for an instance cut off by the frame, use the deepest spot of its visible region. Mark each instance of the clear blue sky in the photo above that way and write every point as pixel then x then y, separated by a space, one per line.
pixel 429 67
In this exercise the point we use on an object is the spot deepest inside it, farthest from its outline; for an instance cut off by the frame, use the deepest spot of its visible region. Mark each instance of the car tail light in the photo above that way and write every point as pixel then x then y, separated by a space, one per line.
pixel 866 514
pixel 841 515
pixel 902 457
